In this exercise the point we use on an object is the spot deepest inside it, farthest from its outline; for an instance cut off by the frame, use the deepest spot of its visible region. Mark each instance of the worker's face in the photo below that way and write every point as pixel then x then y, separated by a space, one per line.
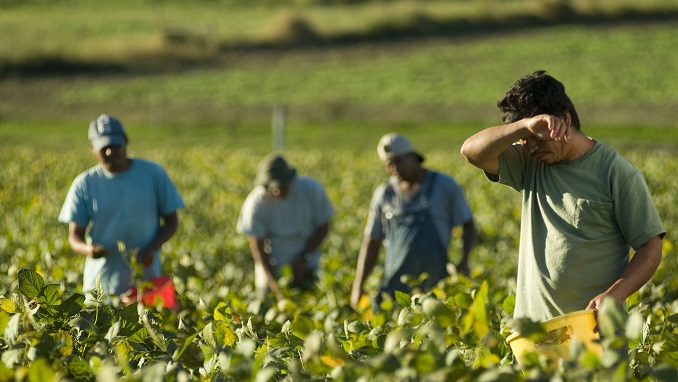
pixel 405 167
pixel 549 152
pixel 112 158
pixel 279 192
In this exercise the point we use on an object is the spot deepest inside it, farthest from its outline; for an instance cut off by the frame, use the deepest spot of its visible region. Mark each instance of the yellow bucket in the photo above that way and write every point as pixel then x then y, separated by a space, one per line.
pixel 562 331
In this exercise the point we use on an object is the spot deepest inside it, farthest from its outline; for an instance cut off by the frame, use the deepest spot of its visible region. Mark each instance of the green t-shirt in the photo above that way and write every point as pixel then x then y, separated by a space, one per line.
pixel 579 220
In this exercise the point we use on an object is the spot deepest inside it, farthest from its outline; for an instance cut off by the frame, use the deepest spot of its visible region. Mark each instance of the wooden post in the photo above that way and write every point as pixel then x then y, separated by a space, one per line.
pixel 278 127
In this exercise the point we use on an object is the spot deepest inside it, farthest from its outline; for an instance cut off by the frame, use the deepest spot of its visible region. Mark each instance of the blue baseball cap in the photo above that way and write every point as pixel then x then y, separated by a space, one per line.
pixel 106 131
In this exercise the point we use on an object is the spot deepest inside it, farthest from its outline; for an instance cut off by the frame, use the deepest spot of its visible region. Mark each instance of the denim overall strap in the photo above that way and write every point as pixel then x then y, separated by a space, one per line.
pixel 414 247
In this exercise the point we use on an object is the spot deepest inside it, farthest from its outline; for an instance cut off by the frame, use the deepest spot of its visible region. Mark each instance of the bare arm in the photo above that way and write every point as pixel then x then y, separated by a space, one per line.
pixel 76 239
pixel 484 148
pixel 262 257
pixel 299 264
pixel 468 237
pixel 167 230
pixel 367 259
pixel 317 238
pixel 637 273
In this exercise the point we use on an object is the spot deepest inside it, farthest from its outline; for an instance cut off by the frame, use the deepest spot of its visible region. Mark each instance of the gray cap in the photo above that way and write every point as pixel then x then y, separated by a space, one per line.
pixel 394 145
pixel 274 171
pixel 106 131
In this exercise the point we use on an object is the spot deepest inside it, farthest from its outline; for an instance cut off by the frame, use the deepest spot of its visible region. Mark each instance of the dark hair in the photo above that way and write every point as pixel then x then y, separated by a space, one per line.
pixel 534 94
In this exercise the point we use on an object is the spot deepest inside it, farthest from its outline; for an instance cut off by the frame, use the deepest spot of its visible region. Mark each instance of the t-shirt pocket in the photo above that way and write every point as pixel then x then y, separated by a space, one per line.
pixel 594 219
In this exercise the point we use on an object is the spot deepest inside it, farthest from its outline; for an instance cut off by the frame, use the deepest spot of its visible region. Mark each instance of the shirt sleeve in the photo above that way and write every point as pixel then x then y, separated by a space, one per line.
pixel 375 227
pixel 512 165
pixel 252 219
pixel 635 211
pixel 323 206
pixel 169 199
pixel 74 208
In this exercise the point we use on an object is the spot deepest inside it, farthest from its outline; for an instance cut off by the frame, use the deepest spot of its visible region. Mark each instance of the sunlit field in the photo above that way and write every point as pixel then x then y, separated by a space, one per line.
pixel 222 332
pixel 197 85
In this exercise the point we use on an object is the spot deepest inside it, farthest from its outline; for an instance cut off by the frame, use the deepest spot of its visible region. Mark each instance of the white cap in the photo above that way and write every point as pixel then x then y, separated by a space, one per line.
pixel 394 145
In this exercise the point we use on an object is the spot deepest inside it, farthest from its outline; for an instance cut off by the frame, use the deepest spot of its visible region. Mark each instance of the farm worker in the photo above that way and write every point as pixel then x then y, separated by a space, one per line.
pixel 413 214
pixel 583 204
pixel 285 217
pixel 121 200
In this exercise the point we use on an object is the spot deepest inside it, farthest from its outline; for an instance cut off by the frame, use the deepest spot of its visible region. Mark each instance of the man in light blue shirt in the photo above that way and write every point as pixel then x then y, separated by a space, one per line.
pixel 121 200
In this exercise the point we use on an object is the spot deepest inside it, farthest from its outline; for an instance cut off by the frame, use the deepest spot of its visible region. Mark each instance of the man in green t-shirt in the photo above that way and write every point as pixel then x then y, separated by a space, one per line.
pixel 584 206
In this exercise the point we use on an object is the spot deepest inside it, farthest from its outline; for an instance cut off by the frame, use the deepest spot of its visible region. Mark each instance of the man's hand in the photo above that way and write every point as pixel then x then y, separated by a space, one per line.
pixel 145 257
pixel 97 251
pixel 298 271
pixel 549 128
pixel 597 301
pixel 638 272
pixel 463 267
pixel 356 294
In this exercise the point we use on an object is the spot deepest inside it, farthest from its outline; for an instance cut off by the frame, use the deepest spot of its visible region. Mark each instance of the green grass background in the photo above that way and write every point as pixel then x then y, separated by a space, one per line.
pixel 63 63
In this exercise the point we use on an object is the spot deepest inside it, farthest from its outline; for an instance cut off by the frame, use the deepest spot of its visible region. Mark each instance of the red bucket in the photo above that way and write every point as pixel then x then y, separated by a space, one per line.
pixel 161 291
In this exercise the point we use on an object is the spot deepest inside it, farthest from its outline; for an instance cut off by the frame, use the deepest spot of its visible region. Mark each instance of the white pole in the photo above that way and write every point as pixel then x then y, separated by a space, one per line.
pixel 279 121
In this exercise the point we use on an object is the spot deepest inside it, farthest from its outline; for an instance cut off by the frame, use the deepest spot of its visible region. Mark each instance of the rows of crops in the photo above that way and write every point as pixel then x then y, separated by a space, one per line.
pixel 222 332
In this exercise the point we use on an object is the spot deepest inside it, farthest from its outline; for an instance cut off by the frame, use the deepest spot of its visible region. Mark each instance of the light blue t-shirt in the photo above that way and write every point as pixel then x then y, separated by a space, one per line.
pixel 447 203
pixel 579 220
pixel 289 222
pixel 120 207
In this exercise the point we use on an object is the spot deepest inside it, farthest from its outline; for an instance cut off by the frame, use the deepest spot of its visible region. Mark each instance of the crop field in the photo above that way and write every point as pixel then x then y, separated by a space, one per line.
pixel 222 332
pixel 202 109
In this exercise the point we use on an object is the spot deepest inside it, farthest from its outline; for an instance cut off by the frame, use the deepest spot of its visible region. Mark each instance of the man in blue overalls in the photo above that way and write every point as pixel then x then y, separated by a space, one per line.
pixel 413 215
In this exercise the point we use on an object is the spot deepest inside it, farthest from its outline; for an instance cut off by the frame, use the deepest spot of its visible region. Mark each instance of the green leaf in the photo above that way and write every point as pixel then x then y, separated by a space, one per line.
pixel 356 327
pixel 302 326
pixel 64 343
pixel 463 300
pixel 528 328
pixel 40 371
pixel 30 283
pixel 139 336
pixel 11 330
pixel 129 318
pixel 223 333
pixel 4 320
pixel 509 304
pixel 266 374
pixel 665 372
pixel 6 374
pixel 634 325
pixel 619 374
pixel 384 363
pixel 51 295
pixel 424 362
pixel 84 323
pixel 313 345
pixel 177 353
pixel 72 305
pixel 476 318
pixel 7 305
pixel 611 318
pixel 403 298
pixel 437 311
pixel 79 368
pixel 222 312
pixel 208 335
